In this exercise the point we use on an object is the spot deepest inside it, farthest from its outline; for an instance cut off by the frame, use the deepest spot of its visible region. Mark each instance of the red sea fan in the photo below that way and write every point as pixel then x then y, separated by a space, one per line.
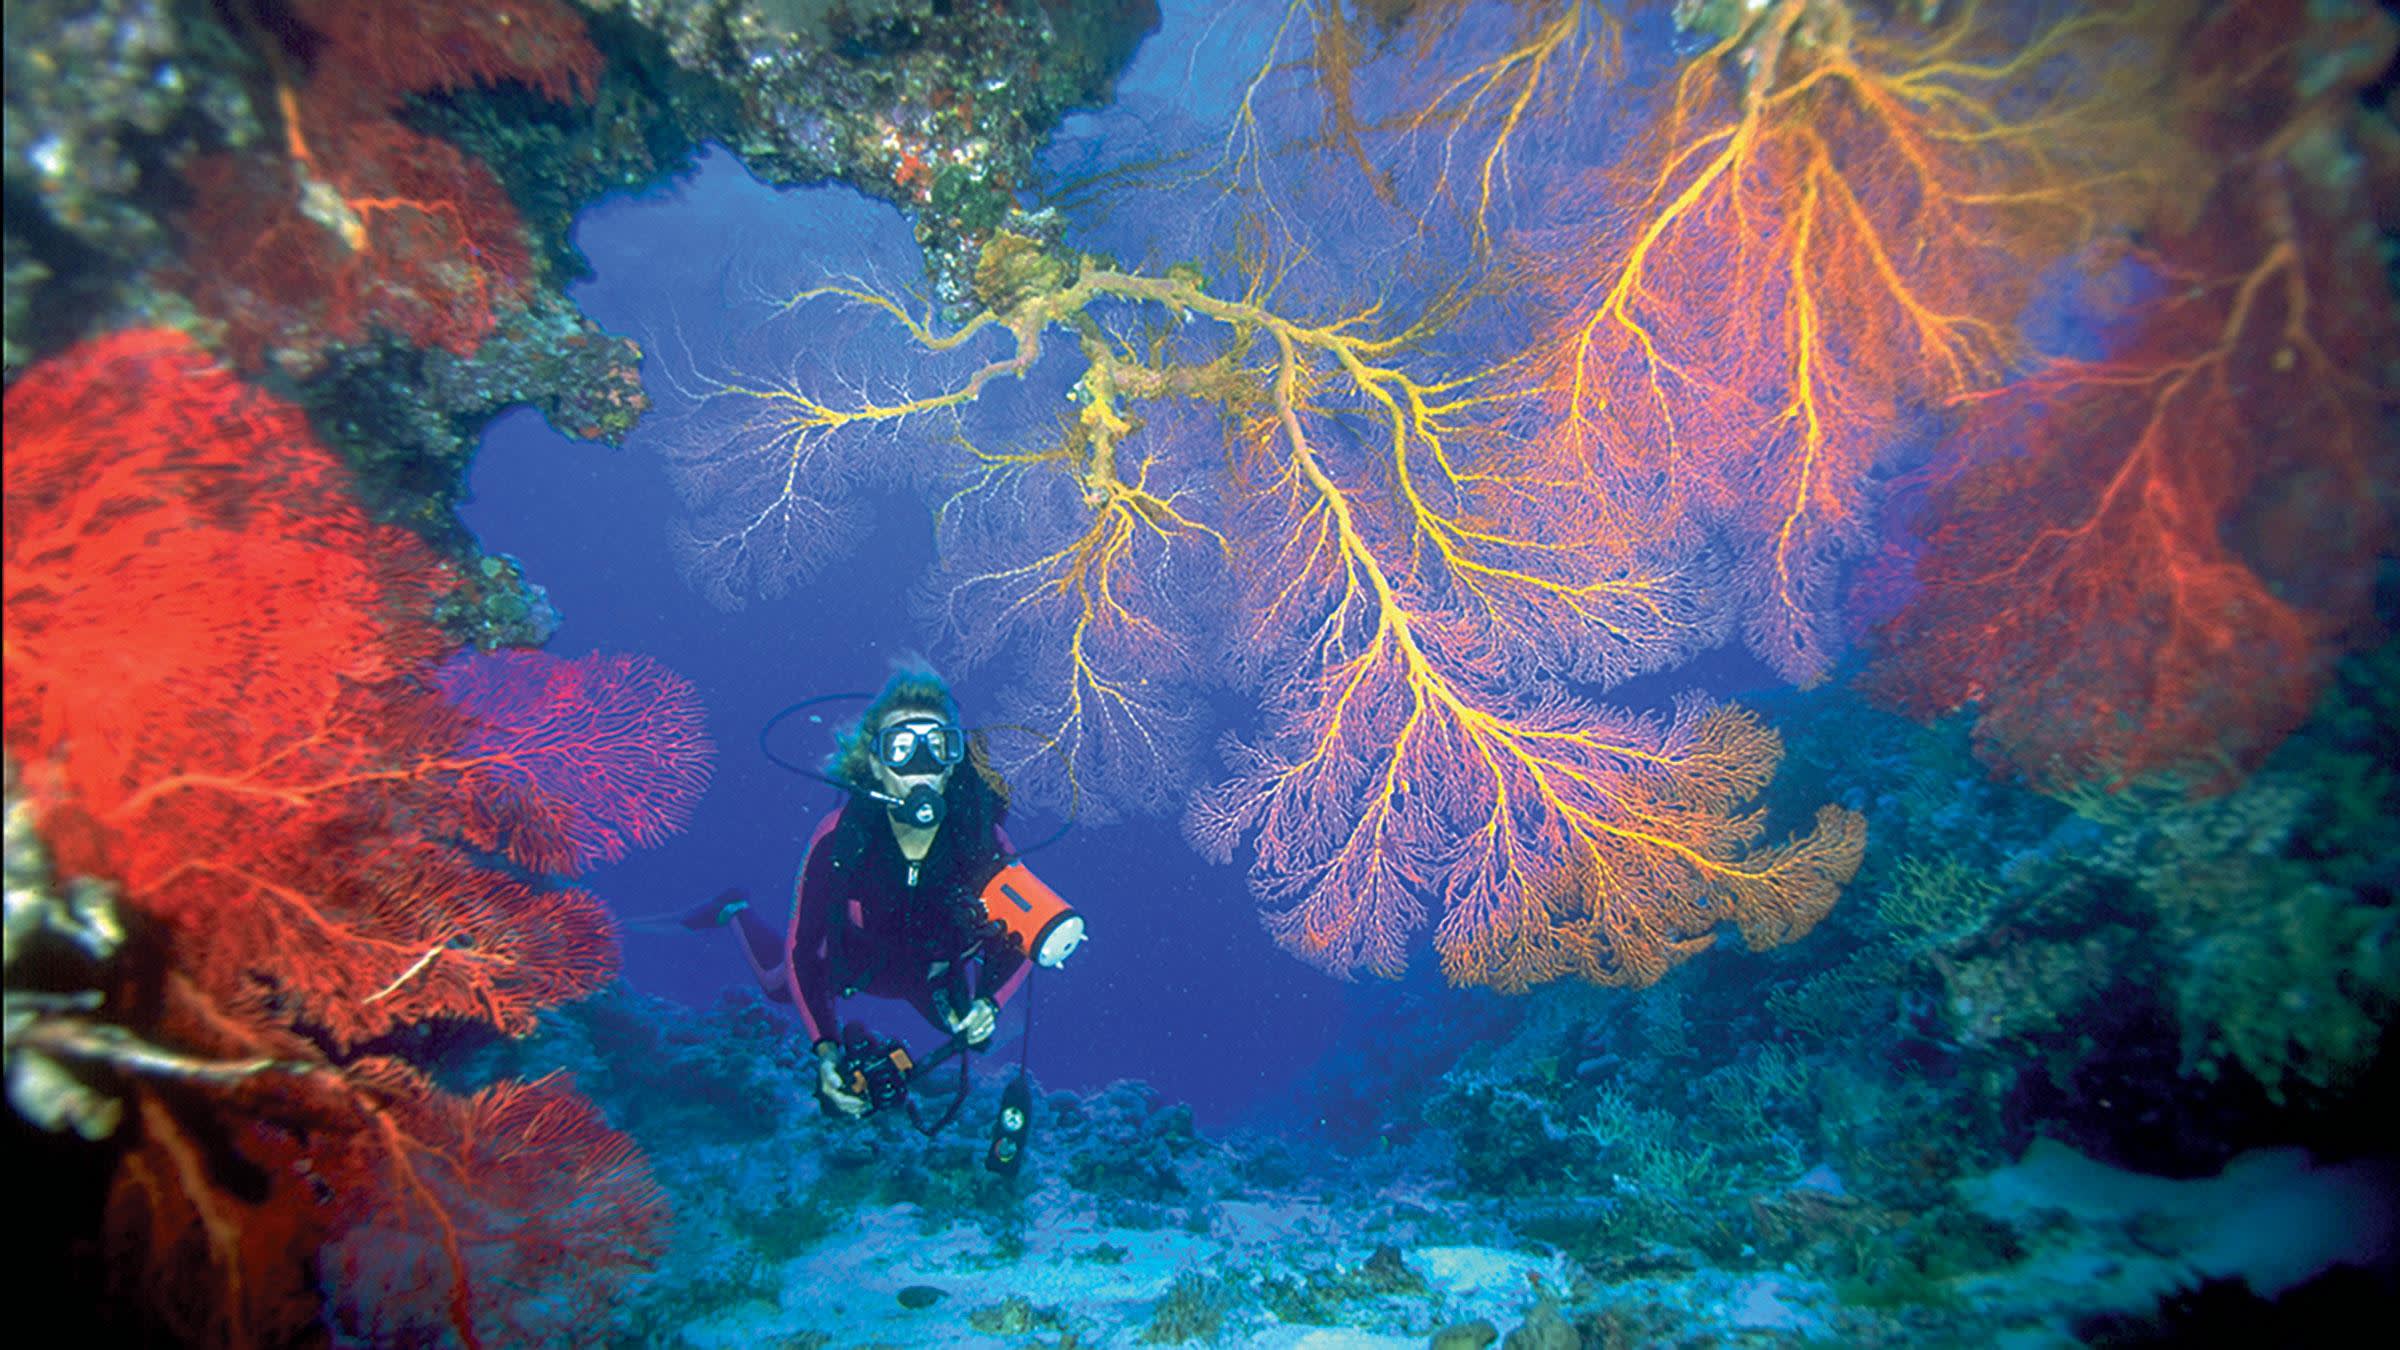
pixel 220 696
pixel 2145 562
pixel 361 221
pixel 571 763
pixel 391 50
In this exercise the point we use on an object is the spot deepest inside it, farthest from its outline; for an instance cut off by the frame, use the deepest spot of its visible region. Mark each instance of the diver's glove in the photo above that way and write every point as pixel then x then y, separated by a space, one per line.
pixel 977 1023
pixel 829 1082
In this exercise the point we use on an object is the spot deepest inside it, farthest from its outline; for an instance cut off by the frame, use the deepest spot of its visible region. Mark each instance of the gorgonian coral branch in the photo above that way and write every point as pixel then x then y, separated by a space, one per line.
pixel 1834 226
pixel 221 685
pixel 1560 839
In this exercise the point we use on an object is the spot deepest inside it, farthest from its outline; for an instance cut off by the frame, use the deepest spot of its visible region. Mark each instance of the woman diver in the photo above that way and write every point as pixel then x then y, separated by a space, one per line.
pixel 891 897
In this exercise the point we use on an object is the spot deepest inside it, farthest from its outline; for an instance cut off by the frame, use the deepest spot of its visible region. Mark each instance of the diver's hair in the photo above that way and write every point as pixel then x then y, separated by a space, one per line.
pixel 913 686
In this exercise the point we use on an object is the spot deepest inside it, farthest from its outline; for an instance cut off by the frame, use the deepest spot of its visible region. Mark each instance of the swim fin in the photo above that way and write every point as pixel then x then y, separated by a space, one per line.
pixel 699 919
pixel 718 912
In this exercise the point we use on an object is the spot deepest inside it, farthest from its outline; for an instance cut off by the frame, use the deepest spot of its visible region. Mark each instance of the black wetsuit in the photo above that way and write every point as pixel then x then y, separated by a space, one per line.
pixel 867 921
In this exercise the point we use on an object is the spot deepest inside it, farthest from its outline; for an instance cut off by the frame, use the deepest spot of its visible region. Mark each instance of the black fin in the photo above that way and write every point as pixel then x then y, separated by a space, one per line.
pixel 718 912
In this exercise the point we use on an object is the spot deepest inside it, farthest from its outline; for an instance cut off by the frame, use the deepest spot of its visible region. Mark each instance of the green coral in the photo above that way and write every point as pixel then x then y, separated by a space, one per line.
pixel 2282 943
pixel 1507 1138
pixel 1936 897
pixel 496 607
pixel 2025 989
pixel 1854 996
pixel 2281 969
pixel 1645 1148
pixel 1193 1309
pixel 1749 1103
pixel 2296 993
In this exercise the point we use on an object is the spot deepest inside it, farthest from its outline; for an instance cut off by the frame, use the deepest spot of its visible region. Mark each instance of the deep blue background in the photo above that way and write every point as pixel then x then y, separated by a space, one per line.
pixel 1179 983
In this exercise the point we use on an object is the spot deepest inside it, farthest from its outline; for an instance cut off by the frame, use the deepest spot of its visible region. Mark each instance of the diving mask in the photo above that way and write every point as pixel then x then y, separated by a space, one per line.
pixel 920 745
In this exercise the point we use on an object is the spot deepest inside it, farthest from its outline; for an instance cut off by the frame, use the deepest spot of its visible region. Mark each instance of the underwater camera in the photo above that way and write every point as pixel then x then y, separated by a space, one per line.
pixel 879 1069
pixel 874 1067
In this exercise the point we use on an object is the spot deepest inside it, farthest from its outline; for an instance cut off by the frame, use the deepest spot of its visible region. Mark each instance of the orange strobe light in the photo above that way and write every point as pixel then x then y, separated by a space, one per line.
pixel 1044 924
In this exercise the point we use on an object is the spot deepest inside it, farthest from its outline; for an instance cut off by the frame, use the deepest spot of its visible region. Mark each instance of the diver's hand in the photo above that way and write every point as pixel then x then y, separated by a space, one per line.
pixel 977 1023
pixel 829 1087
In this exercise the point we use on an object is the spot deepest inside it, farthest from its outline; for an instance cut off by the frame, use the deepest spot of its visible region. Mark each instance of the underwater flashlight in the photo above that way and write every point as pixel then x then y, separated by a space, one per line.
pixel 1045 926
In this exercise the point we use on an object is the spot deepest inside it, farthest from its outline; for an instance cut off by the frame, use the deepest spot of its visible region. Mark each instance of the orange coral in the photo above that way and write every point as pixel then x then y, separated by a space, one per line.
pixel 1410 617
pixel 2143 562
pixel 1834 222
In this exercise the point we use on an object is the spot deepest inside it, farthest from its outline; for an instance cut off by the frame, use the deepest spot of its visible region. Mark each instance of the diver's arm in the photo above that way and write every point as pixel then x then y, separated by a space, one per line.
pixel 1001 973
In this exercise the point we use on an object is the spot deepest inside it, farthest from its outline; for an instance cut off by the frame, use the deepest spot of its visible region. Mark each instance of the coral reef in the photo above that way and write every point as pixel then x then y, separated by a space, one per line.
pixel 100 97
pixel 937 108
pixel 222 702
pixel 376 205
pixel 1437 408
pixel 1839 1160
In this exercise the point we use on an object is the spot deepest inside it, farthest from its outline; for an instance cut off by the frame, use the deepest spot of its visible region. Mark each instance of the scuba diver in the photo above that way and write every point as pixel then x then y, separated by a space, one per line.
pixel 910 890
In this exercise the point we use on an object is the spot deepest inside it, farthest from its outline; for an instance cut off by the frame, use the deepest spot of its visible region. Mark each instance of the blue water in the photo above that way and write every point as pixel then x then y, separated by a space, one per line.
pixel 2053 1057
pixel 1178 985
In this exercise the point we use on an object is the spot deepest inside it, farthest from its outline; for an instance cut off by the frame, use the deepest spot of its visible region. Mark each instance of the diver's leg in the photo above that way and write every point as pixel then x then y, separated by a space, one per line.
pixel 762 947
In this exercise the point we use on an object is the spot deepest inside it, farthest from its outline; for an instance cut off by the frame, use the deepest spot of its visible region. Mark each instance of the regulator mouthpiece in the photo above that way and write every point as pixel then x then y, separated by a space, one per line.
pixel 922 807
